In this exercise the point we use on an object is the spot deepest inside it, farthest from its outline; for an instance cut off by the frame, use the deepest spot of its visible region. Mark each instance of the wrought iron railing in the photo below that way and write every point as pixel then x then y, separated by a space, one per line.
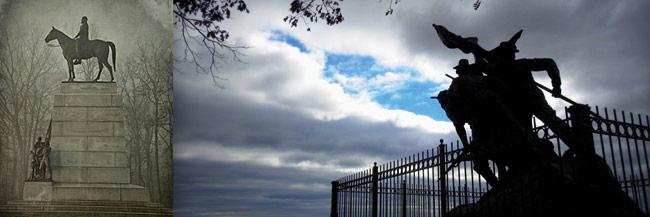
pixel 414 186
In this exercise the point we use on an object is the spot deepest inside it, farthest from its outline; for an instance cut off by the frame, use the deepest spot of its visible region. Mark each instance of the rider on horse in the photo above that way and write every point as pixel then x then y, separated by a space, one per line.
pixel 82 38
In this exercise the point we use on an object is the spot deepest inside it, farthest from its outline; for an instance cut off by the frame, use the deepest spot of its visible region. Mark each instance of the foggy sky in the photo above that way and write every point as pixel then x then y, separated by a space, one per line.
pixel 123 22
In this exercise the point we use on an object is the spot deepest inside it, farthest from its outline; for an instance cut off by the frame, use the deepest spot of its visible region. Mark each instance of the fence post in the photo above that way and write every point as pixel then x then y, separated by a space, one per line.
pixel 581 128
pixel 375 182
pixel 442 178
pixel 403 198
pixel 334 212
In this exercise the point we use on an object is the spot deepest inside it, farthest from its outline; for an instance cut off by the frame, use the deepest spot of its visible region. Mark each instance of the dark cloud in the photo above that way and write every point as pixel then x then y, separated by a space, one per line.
pixel 601 47
pixel 209 188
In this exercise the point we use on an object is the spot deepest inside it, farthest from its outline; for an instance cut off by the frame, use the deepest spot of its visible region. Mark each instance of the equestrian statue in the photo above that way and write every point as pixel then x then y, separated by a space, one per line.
pixel 80 47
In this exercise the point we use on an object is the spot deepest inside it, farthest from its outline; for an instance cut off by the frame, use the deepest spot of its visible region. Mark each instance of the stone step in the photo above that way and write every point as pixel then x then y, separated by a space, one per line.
pixel 85 203
pixel 87 209
pixel 87 128
pixel 88 143
pixel 88 88
pixel 86 113
pixel 95 100
pixel 96 191
pixel 88 159
pixel 118 175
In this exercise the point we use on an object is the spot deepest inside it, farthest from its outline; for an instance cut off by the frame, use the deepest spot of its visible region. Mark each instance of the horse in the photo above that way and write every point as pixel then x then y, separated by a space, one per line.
pixel 94 48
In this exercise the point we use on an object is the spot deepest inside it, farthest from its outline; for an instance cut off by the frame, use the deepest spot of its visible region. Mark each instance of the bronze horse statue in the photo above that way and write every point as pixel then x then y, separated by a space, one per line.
pixel 94 48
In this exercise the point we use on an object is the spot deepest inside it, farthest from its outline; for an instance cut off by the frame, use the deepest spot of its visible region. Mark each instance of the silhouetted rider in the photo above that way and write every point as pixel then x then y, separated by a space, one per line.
pixel 82 39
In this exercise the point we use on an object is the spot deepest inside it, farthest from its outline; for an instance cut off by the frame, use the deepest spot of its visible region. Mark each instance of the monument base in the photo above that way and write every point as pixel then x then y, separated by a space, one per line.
pixel 89 158
pixel 568 186
pixel 37 191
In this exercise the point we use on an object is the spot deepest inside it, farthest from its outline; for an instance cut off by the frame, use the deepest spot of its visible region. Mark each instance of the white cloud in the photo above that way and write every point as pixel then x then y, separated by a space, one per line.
pixel 281 75
pixel 384 83
pixel 266 157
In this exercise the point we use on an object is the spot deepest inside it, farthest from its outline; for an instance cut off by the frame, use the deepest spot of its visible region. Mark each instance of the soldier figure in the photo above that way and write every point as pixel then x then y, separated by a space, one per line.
pixel 44 164
pixel 82 39
pixel 40 164
pixel 35 160
pixel 476 100
pixel 527 99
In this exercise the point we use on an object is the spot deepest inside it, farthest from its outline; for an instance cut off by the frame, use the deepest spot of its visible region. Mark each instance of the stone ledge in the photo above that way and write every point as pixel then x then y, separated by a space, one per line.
pixel 87 128
pixel 87 113
pixel 37 191
pixel 86 203
pixel 89 143
pixel 88 88
pixel 88 159
pixel 97 191
pixel 83 209
pixel 119 175
pixel 76 100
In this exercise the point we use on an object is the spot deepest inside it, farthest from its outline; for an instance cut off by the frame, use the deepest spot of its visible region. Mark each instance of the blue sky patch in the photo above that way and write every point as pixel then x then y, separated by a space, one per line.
pixel 281 36
pixel 392 87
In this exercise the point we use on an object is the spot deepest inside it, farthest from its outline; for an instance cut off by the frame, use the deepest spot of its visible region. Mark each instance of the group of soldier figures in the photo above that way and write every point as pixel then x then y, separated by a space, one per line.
pixel 40 163
pixel 497 97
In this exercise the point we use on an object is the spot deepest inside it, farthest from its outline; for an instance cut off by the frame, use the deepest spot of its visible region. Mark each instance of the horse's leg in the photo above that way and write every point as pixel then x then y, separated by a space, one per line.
pixel 70 68
pixel 110 69
pixel 101 67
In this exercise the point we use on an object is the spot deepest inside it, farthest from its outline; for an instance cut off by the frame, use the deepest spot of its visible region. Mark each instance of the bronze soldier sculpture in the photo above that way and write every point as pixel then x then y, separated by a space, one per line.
pixel 538 182
pixel 40 153
pixel 83 48
pixel 527 99
pixel 35 163
pixel 476 100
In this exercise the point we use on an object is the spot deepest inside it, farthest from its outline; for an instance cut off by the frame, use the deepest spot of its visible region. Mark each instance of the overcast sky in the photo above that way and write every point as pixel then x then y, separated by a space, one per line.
pixel 305 108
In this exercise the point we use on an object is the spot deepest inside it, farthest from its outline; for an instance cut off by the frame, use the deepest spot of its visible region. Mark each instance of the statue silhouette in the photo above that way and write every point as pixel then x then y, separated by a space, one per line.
pixel 526 98
pixel 89 49
pixel 476 100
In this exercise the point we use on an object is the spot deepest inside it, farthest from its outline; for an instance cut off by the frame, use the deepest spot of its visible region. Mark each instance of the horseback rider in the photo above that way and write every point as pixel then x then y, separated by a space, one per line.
pixel 82 39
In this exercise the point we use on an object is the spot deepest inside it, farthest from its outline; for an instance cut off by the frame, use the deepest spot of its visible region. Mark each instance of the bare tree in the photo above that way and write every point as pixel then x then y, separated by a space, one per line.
pixel 199 22
pixel 203 18
pixel 148 94
pixel 200 25
pixel 27 69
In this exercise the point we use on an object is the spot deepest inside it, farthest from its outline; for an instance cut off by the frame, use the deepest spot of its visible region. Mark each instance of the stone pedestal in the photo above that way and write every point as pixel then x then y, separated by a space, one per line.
pixel 89 154
pixel 37 191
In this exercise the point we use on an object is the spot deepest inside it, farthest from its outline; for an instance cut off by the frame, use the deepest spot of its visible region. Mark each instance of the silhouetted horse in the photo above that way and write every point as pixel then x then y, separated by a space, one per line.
pixel 94 48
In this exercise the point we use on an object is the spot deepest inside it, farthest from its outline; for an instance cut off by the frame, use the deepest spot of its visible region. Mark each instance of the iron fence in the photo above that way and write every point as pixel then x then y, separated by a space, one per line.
pixel 424 184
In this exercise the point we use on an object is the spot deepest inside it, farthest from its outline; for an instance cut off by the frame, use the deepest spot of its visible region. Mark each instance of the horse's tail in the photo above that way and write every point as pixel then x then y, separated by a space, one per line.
pixel 110 44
